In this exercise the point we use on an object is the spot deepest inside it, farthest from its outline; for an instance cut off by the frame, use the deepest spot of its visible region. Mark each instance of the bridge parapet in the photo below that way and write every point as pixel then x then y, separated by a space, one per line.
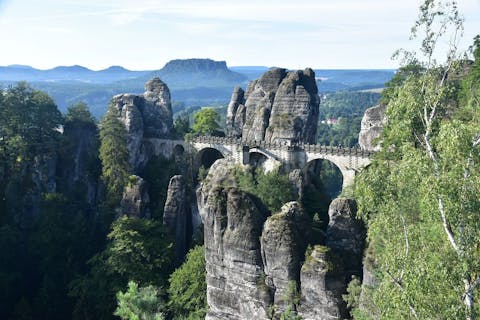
pixel 291 155
pixel 285 146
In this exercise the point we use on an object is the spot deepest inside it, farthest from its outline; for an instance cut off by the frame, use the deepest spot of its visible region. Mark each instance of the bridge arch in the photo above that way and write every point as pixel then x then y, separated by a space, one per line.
pixel 329 172
pixel 178 149
pixel 342 163
pixel 259 158
pixel 207 156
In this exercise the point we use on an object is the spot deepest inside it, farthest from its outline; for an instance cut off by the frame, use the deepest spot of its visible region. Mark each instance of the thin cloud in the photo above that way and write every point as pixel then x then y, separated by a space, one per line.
pixel 282 32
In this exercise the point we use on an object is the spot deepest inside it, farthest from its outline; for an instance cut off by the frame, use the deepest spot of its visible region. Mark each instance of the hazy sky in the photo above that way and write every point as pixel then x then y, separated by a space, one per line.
pixel 145 34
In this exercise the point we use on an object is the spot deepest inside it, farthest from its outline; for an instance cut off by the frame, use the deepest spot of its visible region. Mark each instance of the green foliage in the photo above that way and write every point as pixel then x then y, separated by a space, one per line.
pixel 59 246
pixel 157 173
pixel 283 189
pixel 352 298
pixel 420 195
pixel 182 126
pixel 292 294
pixel 206 122
pixel 188 288
pixel 79 113
pixel 289 314
pixel 325 183
pixel 139 250
pixel 403 73
pixel 470 86
pixel 94 292
pixel 10 268
pixel 260 184
pixel 202 173
pixel 144 303
pixel 344 133
pixel 348 108
pixel 347 104
pixel 29 123
pixel 114 155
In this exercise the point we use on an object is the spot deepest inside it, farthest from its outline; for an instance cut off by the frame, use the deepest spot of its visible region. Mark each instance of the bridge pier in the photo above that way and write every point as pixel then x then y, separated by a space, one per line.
pixel 348 178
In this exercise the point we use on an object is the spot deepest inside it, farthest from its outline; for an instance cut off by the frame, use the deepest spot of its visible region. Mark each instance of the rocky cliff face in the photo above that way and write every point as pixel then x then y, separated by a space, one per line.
pixel 145 116
pixel 135 198
pixel 283 242
pixel 372 125
pixel 281 106
pixel 322 286
pixel 236 113
pixel 80 165
pixel 233 223
pixel 254 260
pixel 176 215
pixel 328 270
pixel 346 234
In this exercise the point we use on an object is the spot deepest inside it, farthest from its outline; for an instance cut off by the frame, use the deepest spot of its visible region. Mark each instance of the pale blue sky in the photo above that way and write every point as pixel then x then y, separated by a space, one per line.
pixel 145 34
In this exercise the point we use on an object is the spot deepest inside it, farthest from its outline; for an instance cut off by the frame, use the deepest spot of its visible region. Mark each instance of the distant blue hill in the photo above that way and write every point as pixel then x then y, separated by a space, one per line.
pixel 193 82
pixel 66 73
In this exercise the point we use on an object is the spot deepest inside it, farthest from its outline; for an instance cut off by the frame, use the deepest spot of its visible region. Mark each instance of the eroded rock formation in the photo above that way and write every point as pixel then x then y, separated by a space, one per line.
pixel 176 215
pixel 373 121
pixel 322 286
pixel 283 242
pixel 135 198
pixel 233 222
pixel 346 234
pixel 328 269
pixel 281 106
pixel 236 113
pixel 255 261
pixel 145 116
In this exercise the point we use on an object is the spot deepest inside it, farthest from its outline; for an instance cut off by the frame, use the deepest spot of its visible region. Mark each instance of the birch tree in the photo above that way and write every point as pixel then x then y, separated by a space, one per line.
pixel 420 197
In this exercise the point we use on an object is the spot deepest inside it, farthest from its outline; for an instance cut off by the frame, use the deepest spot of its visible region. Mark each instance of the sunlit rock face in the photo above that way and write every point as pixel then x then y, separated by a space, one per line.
pixel 372 125
pixel 280 107
pixel 254 258
pixel 283 250
pixel 145 116
pixel 233 222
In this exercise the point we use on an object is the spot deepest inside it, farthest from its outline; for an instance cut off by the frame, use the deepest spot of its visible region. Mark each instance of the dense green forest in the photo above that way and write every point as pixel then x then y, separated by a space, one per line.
pixel 347 109
pixel 419 198
pixel 65 254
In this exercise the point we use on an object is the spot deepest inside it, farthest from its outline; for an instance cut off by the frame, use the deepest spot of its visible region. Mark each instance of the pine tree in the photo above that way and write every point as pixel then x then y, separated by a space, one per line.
pixel 114 155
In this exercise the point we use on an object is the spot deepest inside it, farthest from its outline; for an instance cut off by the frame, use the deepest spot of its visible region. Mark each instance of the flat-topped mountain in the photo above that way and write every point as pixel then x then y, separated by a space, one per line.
pixel 195 65
pixel 191 73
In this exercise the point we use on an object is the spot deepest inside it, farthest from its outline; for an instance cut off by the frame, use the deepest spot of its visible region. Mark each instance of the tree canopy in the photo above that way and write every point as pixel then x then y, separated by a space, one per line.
pixel 114 155
pixel 188 287
pixel 206 121
pixel 420 195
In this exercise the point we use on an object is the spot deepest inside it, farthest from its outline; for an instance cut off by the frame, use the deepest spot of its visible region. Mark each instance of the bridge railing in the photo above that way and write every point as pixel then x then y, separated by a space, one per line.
pixel 285 145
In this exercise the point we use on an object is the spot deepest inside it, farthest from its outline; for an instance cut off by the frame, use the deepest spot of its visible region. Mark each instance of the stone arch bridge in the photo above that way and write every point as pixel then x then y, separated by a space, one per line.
pixel 290 156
